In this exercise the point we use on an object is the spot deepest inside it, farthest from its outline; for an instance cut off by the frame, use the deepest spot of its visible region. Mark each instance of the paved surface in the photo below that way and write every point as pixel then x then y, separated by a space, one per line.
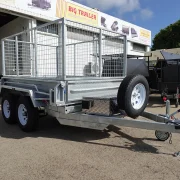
pixel 59 152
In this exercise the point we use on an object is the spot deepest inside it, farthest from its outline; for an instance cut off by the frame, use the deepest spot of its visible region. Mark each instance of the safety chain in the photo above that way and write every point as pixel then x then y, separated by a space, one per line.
pixel 170 138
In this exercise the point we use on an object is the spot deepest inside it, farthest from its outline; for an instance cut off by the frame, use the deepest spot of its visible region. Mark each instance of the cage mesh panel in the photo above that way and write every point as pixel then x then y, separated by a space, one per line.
pixel 112 55
pixel 81 51
pixel 10 57
pixel 83 48
pixel 48 48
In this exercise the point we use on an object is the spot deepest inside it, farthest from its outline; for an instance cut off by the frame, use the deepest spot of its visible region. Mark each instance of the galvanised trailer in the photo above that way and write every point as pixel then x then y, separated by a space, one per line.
pixel 77 74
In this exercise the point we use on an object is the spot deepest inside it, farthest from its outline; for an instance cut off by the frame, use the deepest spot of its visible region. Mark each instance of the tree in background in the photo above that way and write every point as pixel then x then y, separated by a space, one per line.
pixel 168 37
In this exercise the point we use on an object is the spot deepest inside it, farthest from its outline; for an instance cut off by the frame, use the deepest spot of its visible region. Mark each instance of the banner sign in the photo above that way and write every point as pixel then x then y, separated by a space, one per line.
pixel 53 9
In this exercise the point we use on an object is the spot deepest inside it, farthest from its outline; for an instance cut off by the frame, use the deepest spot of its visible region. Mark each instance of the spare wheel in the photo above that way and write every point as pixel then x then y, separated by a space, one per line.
pixel 133 95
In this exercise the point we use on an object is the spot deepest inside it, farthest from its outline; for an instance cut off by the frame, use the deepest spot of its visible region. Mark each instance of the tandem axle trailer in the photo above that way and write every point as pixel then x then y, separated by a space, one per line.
pixel 77 74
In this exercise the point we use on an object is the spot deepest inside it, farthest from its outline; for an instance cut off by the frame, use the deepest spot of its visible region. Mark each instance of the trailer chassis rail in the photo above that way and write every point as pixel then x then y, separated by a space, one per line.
pixel 163 125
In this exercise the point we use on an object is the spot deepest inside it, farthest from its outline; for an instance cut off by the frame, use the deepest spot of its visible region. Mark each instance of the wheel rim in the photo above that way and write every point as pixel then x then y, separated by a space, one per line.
pixel 6 109
pixel 22 114
pixel 138 96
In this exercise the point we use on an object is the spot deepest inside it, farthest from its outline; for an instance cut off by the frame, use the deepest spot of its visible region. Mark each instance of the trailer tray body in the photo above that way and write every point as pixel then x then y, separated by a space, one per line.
pixel 59 93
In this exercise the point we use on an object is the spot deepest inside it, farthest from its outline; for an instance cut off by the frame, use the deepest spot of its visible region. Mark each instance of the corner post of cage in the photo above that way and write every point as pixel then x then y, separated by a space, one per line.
pixel 57 60
pixel 64 37
pixel 3 58
pixel 58 49
pixel 31 51
pixel 95 51
pixel 96 57
pixel 100 52
pixel 125 56
pixel 17 55
pixel 74 59
pixel 35 52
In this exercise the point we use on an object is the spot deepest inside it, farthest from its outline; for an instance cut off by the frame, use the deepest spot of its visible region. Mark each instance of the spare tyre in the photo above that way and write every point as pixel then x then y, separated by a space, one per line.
pixel 133 95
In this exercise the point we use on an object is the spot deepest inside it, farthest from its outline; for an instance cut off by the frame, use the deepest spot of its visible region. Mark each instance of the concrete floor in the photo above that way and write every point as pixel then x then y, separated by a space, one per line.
pixel 60 152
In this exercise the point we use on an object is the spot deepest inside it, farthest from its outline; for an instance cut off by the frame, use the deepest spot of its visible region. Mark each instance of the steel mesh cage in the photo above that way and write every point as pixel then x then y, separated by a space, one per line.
pixel 64 49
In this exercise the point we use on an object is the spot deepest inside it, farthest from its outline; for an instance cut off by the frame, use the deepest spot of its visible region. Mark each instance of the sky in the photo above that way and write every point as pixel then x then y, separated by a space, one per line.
pixel 153 15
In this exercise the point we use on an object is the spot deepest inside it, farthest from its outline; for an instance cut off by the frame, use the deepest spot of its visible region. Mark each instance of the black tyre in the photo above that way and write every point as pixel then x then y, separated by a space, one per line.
pixel 27 115
pixel 8 106
pixel 133 95
pixel 162 136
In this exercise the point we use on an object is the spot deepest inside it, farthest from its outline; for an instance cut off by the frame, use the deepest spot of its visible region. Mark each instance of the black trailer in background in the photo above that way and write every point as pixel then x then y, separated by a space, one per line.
pixel 164 76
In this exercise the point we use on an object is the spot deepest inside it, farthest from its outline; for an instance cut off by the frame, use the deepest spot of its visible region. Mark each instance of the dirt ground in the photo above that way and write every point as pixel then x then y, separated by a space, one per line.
pixel 60 152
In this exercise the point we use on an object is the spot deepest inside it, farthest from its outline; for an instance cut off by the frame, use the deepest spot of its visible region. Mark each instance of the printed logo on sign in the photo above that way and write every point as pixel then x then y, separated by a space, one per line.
pixel 76 13
pixel 81 14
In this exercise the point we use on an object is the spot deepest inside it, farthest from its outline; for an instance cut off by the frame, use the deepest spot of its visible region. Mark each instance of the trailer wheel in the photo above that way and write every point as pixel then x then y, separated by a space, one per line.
pixel 162 136
pixel 8 106
pixel 26 114
pixel 133 95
